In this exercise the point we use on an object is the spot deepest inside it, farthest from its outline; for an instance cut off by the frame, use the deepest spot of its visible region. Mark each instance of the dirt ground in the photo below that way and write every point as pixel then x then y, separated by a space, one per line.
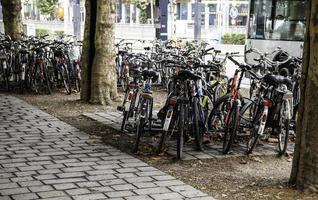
pixel 227 178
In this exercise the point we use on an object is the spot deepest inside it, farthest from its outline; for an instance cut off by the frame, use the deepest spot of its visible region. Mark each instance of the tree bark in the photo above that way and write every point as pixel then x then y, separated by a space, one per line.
pixel 12 18
pixel 104 84
pixel 99 81
pixel 305 162
pixel 88 49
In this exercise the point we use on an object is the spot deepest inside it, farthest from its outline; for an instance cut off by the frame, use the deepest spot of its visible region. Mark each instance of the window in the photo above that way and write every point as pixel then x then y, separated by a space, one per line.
pixel 182 11
pixel 134 14
pixel 278 20
pixel 212 14
pixel 201 8
pixel 118 13
pixel 238 14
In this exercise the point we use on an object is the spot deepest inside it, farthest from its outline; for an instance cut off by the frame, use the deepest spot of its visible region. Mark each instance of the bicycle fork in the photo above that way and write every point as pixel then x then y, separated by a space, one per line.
pixel 263 119
pixel 171 102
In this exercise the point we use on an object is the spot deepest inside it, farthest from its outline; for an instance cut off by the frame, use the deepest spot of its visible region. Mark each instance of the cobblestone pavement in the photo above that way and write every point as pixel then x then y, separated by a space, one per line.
pixel 214 150
pixel 42 157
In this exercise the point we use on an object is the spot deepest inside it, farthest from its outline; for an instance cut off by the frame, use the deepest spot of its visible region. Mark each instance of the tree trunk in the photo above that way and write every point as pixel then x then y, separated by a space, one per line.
pixel 88 49
pixel 305 163
pixel 99 79
pixel 104 84
pixel 12 18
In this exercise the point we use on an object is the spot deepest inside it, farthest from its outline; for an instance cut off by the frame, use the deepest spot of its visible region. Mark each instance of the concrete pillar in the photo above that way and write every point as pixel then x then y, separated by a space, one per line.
pixel 68 28
pixel 123 13
pixel 206 11
pixel 197 20
pixel 131 8
pixel 77 19
pixel 152 11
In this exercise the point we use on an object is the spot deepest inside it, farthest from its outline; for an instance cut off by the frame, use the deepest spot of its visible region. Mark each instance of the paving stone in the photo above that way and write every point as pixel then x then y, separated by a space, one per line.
pixel 112 182
pixel 90 197
pixel 88 184
pixel 78 191
pixel 50 194
pixel 165 196
pixel 139 197
pixel 13 191
pixel 144 185
pixel 43 188
pixel 123 187
pixel 27 196
pixel 139 179
pixel 70 175
pixel 119 194
pixel 155 190
pixel 43 157
pixel 169 183
pixel 45 177
pixel 64 186
pixel 30 183
pixel 8 185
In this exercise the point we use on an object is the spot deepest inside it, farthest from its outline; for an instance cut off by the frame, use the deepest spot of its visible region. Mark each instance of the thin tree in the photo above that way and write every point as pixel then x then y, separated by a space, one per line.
pixel 99 81
pixel 305 162
pixel 12 18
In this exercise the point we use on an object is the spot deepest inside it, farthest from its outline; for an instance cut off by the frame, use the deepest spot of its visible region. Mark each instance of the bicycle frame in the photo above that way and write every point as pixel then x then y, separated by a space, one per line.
pixel 235 94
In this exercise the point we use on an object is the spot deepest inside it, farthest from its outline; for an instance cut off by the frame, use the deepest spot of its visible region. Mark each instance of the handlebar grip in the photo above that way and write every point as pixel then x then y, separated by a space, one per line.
pixel 210 49
pixel 234 61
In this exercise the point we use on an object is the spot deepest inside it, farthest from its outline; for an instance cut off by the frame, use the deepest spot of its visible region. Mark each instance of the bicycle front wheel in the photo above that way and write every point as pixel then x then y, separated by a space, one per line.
pixel 230 129
pixel 180 136
pixel 198 132
pixel 283 130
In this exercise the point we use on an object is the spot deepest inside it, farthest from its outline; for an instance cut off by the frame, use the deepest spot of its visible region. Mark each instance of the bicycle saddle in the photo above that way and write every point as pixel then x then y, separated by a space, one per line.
pixel 187 74
pixel 277 79
pixel 149 74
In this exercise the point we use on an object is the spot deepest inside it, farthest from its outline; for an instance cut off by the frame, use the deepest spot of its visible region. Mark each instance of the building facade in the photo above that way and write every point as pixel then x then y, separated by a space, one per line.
pixel 139 21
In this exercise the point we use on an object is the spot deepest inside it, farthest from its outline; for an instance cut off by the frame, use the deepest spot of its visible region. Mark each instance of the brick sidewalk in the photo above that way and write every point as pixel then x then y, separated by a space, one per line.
pixel 42 157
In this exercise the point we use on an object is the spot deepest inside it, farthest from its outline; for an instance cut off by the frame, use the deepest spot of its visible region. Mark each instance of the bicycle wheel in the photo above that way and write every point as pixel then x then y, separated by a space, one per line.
pixel 198 132
pixel 6 80
pixel 47 80
pixel 66 79
pixel 283 130
pixel 216 116
pixel 219 91
pixel 141 121
pixel 230 129
pixel 253 138
pixel 125 118
pixel 180 136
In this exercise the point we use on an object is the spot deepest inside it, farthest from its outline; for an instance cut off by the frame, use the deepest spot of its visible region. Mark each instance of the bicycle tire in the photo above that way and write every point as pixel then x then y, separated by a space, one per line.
pixel 140 125
pixel 66 80
pixel 216 110
pixel 230 131
pixel 284 128
pixel 47 80
pixel 125 118
pixel 198 134
pixel 180 136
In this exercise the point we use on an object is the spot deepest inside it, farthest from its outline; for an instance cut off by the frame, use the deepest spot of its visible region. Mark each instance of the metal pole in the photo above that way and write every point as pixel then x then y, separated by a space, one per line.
pixel 163 4
pixel 77 19
pixel 197 20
